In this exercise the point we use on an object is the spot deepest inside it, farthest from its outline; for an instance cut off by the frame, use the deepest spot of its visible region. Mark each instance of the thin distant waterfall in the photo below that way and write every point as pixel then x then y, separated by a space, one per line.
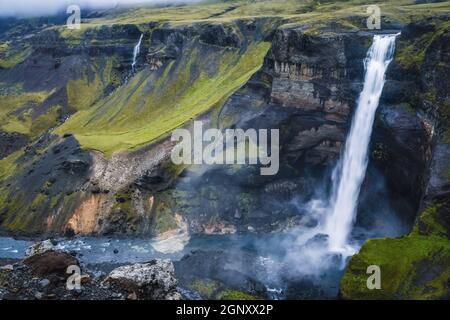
pixel 137 49
pixel 351 169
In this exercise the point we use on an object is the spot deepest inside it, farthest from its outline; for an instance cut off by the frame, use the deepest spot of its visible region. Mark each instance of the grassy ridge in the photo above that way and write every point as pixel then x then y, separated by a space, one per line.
pixel 416 266
pixel 302 11
pixel 152 104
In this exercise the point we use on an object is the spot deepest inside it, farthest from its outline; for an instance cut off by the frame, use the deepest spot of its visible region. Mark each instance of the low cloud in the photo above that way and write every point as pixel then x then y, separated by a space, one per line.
pixel 24 8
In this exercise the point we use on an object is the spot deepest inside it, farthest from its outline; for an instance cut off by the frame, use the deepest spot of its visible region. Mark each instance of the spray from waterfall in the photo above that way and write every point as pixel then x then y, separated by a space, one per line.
pixel 350 172
pixel 137 49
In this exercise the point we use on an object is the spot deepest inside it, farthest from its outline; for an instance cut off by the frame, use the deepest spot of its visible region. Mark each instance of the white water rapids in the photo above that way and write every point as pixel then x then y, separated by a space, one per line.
pixel 351 169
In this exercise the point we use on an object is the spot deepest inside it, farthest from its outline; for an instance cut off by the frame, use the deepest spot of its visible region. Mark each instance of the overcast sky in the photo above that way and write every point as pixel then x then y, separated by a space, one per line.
pixel 47 7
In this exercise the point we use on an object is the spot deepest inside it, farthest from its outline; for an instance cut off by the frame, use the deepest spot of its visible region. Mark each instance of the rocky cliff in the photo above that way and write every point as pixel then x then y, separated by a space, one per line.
pixel 85 138
pixel 416 266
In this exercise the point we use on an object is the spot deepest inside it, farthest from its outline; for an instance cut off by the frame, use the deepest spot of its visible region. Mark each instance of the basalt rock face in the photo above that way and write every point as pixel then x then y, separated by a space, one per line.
pixel 308 87
pixel 315 72
pixel 315 77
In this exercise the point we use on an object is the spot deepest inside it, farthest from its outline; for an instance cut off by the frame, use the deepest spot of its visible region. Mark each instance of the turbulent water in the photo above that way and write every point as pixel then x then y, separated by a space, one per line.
pixel 349 173
pixel 136 51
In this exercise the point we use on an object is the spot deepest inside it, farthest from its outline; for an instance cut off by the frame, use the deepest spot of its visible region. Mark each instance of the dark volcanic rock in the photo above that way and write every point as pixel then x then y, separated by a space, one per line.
pixel 10 142
pixel 51 262
pixel 154 280
pixel 235 270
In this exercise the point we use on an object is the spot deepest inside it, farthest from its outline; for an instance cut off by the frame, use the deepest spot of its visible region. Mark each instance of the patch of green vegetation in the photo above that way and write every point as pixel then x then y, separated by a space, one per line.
pixel 4 46
pixel 73 37
pixel 19 217
pixel 152 104
pixel 310 12
pixel 206 288
pixel 163 219
pixel 416 266
pixel 18 110
pixel 410 55
pixel 32 128
pixel 16 113
pixel 10 103
pixel 8 164
pixel 428 222
pixel 38 200
pixel 236 295
pixel 123 202
pixel 54 201
pixel 84 92
pixel 173 169
pixel 13 58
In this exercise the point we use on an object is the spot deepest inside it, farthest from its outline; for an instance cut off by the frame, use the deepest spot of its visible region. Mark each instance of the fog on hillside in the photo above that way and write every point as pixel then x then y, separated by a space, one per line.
pixel 27 8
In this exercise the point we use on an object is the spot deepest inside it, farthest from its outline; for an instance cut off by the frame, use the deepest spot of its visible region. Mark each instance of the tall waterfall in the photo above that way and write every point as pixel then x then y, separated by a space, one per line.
pixel 137 49
pixel 350 171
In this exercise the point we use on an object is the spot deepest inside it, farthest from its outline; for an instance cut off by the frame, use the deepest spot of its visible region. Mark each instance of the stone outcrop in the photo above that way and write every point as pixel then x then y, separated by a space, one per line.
pixel 51 262
pixel 154 280
pixel 40 247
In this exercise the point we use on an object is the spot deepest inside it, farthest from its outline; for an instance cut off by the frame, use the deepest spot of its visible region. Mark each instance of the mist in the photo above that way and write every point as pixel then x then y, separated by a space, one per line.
pixel 32 8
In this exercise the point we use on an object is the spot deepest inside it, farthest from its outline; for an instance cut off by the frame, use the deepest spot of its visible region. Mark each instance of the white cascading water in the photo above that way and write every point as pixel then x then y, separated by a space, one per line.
pixel 137 49
pixel 351 169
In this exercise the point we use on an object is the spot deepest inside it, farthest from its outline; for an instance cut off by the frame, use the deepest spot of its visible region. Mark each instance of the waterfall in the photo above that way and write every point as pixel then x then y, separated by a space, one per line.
pixel 136 50
pixel 350 171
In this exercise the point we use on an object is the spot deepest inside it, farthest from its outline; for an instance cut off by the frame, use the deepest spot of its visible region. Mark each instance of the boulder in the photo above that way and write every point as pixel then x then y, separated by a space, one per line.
pixel 154 280
pixel 51 262
pixel 40 247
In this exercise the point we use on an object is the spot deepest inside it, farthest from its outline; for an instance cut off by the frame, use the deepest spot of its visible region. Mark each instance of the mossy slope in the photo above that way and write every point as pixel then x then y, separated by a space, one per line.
pixel 416 266
pixel 153 103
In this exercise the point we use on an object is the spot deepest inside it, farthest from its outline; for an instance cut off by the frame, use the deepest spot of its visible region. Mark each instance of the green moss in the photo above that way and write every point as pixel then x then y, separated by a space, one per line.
pixel 12 102
pixel 410 54
pixel 20 217
pixel 416 266
pixel 38 200
pixel 206 288
pixel 54 202
pixel 163 219
pixel 236 295
pixel 14 58
pixel 173 169
pixel 33 128
pixel 16 114
pixel 8 165
pixel 83 93
pixel 4 46
pixel 123 202
pixel 154 103
pixel 428 222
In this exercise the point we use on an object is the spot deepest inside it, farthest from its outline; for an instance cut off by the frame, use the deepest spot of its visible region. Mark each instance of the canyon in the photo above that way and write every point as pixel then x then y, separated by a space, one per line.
pixel 85 144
